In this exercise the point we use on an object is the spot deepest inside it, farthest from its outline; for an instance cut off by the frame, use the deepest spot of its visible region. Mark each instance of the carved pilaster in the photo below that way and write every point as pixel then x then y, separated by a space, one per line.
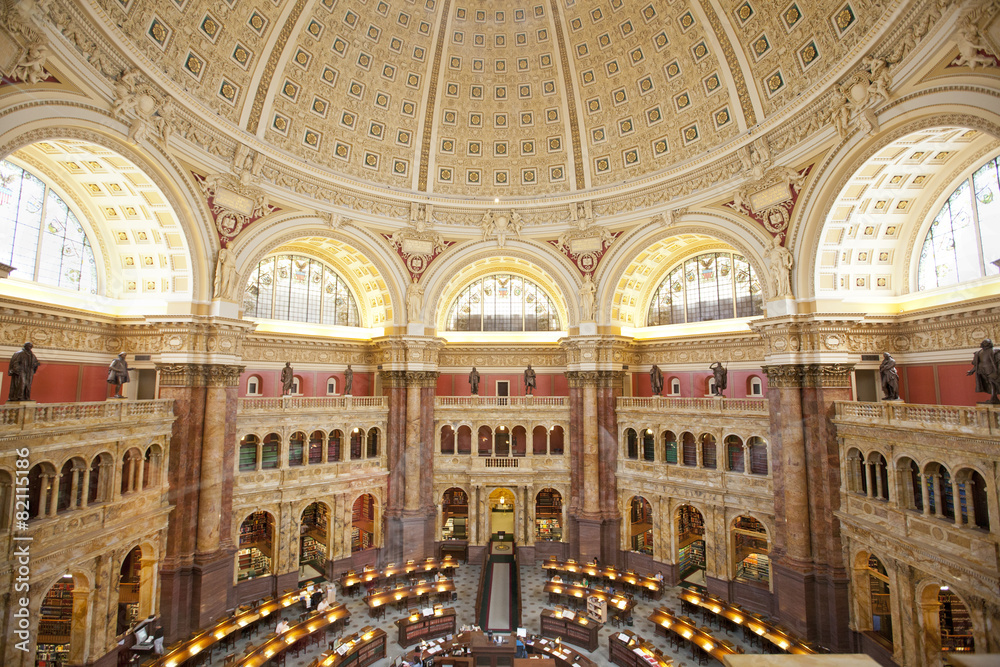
pixel 409 378
pixel 809 375
pixel 602 379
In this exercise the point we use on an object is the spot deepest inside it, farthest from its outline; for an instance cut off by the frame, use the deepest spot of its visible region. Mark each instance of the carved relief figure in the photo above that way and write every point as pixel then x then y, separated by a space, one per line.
pixel 225 274
pixel 779 263
pixel 414 299
pixel 890 378
pixel 656 379
pixel 985 366
pixel 23 365
pixel 721 375
pixel 287 379
pixel 118 374
pixel 529 380
pixel 588 292
pixel 474 380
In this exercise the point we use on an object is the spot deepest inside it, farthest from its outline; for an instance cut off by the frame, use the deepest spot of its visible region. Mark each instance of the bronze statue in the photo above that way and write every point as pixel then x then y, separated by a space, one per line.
pixel 721 377
pixel 118 374
pixel 890 378
pixel 23 365
pixel 348 381
pixel 474 380
pixel 656 379
pixel 287 379
pixel 986 366
pixel 529 380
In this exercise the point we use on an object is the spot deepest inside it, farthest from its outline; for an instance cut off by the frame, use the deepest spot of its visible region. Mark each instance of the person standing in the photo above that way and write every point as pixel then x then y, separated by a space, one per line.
pixel 118 374
pixel 23 365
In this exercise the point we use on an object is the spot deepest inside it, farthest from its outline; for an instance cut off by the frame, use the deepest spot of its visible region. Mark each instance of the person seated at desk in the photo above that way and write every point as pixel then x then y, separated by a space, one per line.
pixel 282 627
pixel 659 577
pixel 522 652
pixel 322 606
pixel 439 577
pixel 557 579
pixel 158 640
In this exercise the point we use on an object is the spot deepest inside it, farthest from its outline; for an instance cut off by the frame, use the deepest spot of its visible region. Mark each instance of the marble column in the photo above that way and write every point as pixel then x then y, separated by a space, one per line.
pixel 196 573
pixel 810 579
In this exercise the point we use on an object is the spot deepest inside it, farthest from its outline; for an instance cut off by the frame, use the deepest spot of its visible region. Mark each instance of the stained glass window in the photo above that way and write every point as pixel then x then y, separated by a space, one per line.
pixel 299 289
pixel 712 286
pixel 40 236
pixel 503 302
pixel 964 240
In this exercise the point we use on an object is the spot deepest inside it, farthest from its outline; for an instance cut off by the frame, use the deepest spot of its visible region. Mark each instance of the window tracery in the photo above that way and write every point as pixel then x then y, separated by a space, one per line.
pixel 710 286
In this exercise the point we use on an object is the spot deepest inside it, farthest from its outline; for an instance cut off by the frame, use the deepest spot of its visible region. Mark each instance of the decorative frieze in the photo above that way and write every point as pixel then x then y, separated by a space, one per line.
pixel 826 376
pixel 199 375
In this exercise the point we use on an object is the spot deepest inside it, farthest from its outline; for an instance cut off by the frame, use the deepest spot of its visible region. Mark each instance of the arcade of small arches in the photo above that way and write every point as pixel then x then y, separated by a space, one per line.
pixel 741 455
pixel 272 451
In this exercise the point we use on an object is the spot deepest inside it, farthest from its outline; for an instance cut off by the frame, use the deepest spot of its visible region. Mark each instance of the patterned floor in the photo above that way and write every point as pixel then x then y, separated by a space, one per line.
pixel 533 579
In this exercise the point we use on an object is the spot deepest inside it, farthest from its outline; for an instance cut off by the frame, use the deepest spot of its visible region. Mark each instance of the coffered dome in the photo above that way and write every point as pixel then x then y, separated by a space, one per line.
pixel 464 98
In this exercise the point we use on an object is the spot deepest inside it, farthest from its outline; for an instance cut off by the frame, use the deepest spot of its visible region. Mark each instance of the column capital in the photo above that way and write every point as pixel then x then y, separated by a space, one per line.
pixel 586 353
pixel 409 378
pixel 412 353
pixel 809 375
pixel 809 339
pixel 199 375
pixel 594 378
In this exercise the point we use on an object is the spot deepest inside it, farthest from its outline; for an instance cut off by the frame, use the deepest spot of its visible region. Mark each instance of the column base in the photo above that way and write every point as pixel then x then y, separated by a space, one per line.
pixel 813 605
pixel 212 587
pixel 596 536
pixel 409 535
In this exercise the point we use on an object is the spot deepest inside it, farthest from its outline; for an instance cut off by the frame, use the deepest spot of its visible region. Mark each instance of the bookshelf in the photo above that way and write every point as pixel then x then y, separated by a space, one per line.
pixel 253 558
pixel 690 525
pixel 754 568
pixel 628 649
pixel 956 625
pixel 455 512
pixel 415 628
pixel 548 530
pixel 572 628
pixel 54 625
pixel 691 558
pixel 363 523
pixel 360 649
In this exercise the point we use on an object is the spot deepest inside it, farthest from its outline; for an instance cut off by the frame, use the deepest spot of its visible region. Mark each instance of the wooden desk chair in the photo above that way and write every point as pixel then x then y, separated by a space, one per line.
pixel 296 648
pixel 278 660
pixel 229 660
pixel 378 613
pixel 228 642
pixel 317 638
pixel 249 648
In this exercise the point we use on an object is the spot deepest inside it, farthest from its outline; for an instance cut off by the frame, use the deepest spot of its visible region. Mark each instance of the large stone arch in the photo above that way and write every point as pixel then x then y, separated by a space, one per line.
pixel 384 279
pixel 942 107
pixel 532 259
pixel 27 126
pixel 715 229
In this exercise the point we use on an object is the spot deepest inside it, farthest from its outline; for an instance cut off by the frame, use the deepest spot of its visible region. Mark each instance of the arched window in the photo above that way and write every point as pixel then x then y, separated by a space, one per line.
pixel 253 386
pixel 878 587
pixel 675 387
pixel 964 239
pixel 331 386
pixel 40 236
pixel 300 289
pixel 503 302
pixel 758 455
pixel 248 453
pixel 669 447
pixel 755 386
pixel 712 286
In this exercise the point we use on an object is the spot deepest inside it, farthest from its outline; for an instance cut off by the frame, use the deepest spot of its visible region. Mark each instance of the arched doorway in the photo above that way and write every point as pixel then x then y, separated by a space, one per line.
pixel 690 545
pixel 640 525
pixel 59 628
pixel 502 511
pixel 128 590
pixel 548 515
pixel 454 514
pixel 878 598
pixel 954 622
pixel 314 537
pixel 750 552
pixel 255 555
pixel 363 523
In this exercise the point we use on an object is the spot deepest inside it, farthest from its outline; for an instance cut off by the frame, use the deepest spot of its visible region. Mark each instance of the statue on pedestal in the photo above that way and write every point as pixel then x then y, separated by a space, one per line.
pixel 529 380
pixel 721 375
pixel 656 379
pixel 23 365
pixel 287 379
pixel 890 378
pixel 118 374
pixel 985 366
pixel 348 381
pixel 474 381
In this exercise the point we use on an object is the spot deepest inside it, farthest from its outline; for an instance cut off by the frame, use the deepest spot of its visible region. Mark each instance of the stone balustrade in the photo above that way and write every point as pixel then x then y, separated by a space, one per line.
pixel 312 403
pixel 475 464
pixel 29 416
pixel 501 401
pixel 715 406
pixel 983 420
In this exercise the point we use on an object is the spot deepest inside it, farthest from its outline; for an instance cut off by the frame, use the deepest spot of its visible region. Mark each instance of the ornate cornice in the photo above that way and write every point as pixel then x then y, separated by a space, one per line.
pixel 602 379
pixel 199 375
pixel 794 376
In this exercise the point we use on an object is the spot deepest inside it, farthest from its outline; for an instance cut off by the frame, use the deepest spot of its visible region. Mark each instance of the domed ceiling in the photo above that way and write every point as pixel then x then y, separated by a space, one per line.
pixel 461 98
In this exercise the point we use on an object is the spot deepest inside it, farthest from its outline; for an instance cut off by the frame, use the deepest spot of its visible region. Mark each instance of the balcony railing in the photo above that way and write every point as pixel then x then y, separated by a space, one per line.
pixel 980 419
pixel 311 403
pixel 23 417
pixel 500 401
pixel 757 406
